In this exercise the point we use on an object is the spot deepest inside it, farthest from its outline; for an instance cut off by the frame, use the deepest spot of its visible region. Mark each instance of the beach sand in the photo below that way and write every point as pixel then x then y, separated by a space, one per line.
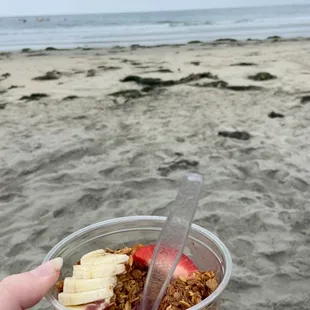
pixel 67 163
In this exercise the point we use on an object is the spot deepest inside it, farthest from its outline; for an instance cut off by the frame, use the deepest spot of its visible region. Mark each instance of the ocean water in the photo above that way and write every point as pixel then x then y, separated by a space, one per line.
pixel 151 28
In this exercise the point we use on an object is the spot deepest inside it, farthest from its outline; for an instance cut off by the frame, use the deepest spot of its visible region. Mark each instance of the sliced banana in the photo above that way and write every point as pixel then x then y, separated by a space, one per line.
pixel 93 280
pixel 97 271
pixel 104 258
pixel 96 253
pixel 73 285
pixel 75 299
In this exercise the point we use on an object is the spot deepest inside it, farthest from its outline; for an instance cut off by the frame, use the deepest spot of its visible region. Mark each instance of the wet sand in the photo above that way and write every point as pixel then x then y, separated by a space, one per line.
pixel 94 139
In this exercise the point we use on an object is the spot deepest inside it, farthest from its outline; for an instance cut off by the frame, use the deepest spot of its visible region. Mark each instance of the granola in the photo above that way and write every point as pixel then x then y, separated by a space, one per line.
pixel 185 292
pixel 128 291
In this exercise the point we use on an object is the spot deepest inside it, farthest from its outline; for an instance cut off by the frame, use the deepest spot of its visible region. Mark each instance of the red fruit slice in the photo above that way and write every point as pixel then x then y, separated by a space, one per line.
pixel 185 267
pixel 98 305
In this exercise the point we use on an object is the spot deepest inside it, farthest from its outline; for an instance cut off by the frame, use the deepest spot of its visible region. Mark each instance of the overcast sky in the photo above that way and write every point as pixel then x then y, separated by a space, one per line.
pixel 44 7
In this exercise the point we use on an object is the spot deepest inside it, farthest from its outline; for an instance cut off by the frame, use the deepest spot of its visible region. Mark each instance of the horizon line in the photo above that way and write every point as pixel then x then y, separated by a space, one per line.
pixel 155 11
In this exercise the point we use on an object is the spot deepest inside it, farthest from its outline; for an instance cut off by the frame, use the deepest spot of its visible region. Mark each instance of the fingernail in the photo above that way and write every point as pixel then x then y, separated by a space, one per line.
pixel 57 262
pixel 48 268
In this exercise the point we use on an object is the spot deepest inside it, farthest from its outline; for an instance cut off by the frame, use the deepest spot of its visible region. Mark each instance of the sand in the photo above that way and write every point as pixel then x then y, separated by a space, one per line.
pixel 65 164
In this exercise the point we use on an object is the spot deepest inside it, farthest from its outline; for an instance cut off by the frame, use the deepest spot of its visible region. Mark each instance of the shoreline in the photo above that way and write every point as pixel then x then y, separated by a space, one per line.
pixel 219 41
pixel 147 12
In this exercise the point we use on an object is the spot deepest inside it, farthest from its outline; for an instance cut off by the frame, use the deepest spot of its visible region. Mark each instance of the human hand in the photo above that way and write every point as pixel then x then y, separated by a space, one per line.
pixel 24 290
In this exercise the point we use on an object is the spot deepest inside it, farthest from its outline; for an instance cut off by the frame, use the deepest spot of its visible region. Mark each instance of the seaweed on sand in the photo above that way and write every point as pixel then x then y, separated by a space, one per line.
pixel 157 82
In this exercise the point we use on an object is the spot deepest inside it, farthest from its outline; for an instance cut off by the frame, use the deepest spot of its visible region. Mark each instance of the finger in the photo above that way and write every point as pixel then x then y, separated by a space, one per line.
pixel 25 290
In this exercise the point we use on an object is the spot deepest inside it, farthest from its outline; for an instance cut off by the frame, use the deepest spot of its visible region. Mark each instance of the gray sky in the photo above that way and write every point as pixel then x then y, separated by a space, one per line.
pixel 41 7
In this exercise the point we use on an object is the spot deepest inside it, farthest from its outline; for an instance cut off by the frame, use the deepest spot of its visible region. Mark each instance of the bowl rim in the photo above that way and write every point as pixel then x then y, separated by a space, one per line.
pixel 206 302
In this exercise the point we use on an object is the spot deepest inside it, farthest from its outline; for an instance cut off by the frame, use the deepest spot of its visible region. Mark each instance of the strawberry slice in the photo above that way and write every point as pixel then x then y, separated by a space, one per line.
pixel 185 266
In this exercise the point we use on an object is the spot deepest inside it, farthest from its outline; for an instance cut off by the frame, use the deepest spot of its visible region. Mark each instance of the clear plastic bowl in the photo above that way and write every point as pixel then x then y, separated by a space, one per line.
pixel 204 248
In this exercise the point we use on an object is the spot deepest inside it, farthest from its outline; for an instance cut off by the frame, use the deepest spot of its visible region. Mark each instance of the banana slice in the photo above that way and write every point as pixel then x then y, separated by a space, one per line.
pixel 97 271
pixel 104 258
pixel 73 285
pixel 96 253
pixel 75 299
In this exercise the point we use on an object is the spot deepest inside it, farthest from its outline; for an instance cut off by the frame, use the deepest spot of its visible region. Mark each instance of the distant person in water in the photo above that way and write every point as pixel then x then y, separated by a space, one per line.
pixel 23 291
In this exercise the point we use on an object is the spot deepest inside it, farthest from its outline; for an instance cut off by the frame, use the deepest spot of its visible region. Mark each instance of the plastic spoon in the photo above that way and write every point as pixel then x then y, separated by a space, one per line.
pixel 173 236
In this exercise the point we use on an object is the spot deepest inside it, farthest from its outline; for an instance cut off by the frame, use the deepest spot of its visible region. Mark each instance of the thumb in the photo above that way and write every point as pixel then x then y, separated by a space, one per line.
pixel 22 291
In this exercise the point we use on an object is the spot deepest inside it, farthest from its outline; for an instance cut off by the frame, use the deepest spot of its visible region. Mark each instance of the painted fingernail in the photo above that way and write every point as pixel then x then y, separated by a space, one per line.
pixel 48 268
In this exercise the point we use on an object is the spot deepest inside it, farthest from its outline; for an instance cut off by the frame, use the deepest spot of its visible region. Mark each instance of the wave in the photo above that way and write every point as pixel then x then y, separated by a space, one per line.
pixel 173 23
pixel 244 20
